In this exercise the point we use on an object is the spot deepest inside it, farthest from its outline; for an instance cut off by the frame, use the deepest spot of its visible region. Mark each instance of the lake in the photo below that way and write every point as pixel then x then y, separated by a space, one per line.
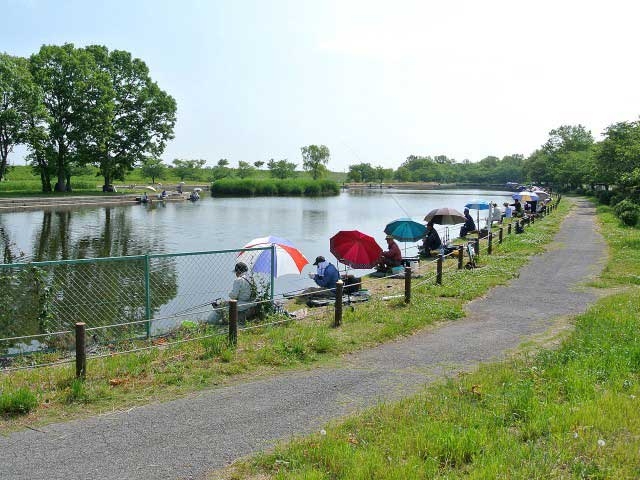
pixel 209 224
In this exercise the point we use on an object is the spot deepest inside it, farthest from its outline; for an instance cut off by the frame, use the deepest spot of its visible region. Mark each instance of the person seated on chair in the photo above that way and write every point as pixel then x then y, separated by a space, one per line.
pixel 517 206
pixel 244 291
pixel 326 274
pixel 431 241
pixel 390 258
pixel 496 213
pixel 469 224
pixel 508 211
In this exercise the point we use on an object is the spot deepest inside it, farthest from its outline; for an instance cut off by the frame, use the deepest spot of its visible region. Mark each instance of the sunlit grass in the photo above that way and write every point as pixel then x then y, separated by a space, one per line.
pixel 573 412
pixel 158 374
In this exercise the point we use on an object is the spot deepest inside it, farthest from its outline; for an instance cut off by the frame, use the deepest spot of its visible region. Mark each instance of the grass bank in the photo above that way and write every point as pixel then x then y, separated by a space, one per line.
pixel 21 180
pixel 265 187
pixel 158 374
pixel 573 412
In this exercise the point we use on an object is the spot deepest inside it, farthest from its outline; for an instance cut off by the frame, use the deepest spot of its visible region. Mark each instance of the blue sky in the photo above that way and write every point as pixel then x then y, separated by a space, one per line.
pixel 374 81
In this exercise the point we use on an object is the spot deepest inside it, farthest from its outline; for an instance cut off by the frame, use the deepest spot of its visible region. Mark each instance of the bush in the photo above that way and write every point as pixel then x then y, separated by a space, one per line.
pixel 623 206
pixel 270 187
pixel 617 198
pixel 630 217
pixel 604 196
pixel 19 402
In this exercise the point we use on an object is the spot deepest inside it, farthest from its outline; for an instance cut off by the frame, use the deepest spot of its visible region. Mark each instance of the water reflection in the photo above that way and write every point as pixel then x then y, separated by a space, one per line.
pixel 114 292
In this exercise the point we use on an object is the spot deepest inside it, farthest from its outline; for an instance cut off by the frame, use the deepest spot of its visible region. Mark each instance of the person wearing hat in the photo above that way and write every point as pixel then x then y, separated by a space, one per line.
pixel 431 240
pixel 244 291
pixel 390 258
pixel 326 274
pixel 469 225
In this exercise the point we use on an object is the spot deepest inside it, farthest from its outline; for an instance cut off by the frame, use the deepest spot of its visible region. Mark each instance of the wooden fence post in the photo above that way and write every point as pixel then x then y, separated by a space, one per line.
pixel 500 234
pixel 407 284
pixel 81 350
pixel 439 270
pixel 476 246
pixel 337 319
pixel 490 243
pixel 460 256
pixel 509 228
pixel 233 322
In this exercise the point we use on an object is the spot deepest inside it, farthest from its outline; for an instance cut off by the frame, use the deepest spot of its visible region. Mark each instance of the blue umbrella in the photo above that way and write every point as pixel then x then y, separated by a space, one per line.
pixel 405 230
pixel 477 204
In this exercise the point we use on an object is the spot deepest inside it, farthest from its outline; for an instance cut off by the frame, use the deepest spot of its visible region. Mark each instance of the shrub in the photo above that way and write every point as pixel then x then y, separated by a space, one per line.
pixel 630 217
pixel 604 196
pixel 270 187
pixel 624 206
pixel 617 198
pixel 18 402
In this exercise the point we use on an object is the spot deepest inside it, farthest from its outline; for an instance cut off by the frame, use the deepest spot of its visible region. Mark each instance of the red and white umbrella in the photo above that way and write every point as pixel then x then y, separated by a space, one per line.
pixel 288 260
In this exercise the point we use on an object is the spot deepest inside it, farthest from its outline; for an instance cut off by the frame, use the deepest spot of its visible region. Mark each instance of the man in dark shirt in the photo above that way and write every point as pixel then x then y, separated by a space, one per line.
pixel 431 240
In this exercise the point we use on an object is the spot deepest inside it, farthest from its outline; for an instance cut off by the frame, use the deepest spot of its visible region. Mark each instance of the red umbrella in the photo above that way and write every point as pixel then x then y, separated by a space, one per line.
pixel 355 249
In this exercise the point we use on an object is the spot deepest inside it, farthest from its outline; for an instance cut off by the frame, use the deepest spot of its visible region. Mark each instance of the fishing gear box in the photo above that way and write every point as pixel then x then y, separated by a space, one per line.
pixel 352 284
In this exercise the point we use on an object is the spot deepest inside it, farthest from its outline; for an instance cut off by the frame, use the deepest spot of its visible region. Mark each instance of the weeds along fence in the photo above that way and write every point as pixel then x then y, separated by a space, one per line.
pixel 145 293
pixel 116 298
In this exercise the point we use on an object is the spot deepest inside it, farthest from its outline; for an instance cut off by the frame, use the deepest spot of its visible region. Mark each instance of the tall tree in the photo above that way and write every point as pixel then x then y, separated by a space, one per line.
pixel 154 168
pixel 618 155
pixel 258 164
pixel 281 168
pixel 141 118
pixel 20 103
pixel 315 159
pixel 245 169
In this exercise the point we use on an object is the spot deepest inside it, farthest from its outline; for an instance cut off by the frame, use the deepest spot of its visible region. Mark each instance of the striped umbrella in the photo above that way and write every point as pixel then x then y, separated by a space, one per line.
pixel 289 260
pixel 525 196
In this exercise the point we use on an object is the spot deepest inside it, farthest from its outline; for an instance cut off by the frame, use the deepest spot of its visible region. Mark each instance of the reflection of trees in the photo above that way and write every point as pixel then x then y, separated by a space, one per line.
pixel 97 293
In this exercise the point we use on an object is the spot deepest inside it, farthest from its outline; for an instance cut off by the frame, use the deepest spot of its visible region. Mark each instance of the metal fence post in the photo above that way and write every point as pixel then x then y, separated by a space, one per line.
pixel 81 350
pixel 273 271
pixel 460 256
pixel 233 322
pixel 337 319
pixel 147 293
pixel 407 284
pixel 439 270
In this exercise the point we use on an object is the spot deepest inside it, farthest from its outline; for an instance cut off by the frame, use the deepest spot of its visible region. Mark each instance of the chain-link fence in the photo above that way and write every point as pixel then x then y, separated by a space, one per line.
pixel 116 297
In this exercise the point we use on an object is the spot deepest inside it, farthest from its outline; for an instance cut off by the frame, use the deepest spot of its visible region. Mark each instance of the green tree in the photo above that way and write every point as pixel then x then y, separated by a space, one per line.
pixel 188 169
pixel 245 169
pixel 259 164
pixel 78 99
pixel 361 172
pixel 315 159
pixel 154 168
pixel 141 119
pixel 281 168
pixel 220 171
pixel 20 104
pixel 617 157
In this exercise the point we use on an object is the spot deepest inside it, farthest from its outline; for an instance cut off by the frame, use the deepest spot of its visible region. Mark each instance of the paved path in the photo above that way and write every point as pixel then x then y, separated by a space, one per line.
pixel 187 438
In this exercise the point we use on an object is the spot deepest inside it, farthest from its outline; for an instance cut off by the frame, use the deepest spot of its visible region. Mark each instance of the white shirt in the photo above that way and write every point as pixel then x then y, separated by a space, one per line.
pixel 241 291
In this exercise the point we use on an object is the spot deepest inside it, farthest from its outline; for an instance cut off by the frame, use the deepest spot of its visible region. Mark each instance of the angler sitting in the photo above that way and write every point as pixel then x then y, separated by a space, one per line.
pixel 326 274
pixel 390 258
pixel 431 241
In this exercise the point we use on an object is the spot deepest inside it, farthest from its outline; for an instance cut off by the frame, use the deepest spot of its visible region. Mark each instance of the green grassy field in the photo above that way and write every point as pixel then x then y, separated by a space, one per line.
pixel 274 187
pixel 159 374
pixel 21 180
pixel 570 412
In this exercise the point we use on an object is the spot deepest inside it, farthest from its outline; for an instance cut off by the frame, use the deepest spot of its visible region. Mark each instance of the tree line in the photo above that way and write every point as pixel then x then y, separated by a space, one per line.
pixel 570 159
pixel 73 107
pixel 314 161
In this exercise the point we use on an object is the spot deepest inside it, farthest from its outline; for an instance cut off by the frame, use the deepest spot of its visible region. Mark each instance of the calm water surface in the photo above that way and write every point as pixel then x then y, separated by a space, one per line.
pixel 210 224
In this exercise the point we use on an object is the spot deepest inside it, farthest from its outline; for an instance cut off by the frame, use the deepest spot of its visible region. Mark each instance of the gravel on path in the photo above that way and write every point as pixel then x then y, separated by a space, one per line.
pixel 189 437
